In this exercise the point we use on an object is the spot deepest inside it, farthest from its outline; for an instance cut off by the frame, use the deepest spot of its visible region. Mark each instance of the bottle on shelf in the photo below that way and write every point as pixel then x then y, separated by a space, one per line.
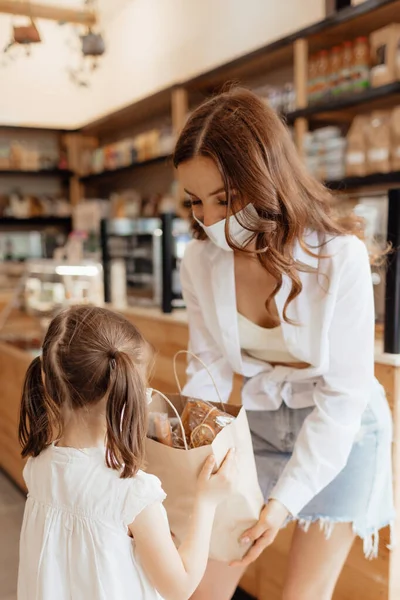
pixel 361 65
pixel 347 68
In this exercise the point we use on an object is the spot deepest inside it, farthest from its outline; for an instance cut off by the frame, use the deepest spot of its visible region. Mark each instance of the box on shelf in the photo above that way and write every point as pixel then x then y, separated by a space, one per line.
pixel 385 54
pixel 356 155
pixel 395 142
pixel 325 151
pixel 378 142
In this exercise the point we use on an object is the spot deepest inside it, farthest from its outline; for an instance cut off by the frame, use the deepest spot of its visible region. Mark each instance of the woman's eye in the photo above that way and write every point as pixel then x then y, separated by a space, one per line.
pixel 194 202
pixel 222 202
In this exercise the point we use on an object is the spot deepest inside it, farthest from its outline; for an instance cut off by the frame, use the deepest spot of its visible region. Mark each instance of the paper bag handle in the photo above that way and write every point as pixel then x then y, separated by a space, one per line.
pixel 178 384
pixel 168 401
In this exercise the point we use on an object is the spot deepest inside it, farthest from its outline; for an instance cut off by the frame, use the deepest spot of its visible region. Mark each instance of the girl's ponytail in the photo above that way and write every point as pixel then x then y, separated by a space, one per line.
pixel 34 430
pixel 126 416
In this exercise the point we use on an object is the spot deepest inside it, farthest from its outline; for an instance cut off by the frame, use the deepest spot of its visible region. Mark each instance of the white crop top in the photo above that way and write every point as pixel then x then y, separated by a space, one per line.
pixel 264 344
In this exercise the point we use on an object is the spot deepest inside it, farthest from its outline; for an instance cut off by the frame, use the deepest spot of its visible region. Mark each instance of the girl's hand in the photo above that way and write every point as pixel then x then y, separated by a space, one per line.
pixel 272 517
pixel 216 487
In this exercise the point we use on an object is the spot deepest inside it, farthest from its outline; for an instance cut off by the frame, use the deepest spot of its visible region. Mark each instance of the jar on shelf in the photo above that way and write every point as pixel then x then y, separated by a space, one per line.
pixel 312 78
pixel 347 68
pixel 361 65
pixel 335 71
pixel 324 75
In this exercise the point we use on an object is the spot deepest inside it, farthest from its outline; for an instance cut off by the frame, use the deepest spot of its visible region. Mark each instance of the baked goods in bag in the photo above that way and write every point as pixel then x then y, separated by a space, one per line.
pixel 202 421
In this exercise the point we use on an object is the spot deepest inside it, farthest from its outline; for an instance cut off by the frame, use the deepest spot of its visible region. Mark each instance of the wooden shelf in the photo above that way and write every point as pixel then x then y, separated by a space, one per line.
pixel 48 221
pixel 345 24
pixel 41 173
pixel 128 169
pixel 374 179
pixel 146 108
pixel 367 98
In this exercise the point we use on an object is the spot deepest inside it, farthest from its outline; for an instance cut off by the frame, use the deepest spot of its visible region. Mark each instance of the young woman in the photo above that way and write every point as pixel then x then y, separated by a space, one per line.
pixel 280 292
pixel 83 424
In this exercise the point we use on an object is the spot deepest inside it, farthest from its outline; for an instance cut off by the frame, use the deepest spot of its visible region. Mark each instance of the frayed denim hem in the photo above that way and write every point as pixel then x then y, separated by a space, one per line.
pixel 370 537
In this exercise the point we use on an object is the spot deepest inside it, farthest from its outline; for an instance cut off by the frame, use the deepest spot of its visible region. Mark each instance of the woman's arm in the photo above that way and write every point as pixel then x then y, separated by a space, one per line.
pixel 202 344
pixel 177 573
pixel 328 433
pixel 325 440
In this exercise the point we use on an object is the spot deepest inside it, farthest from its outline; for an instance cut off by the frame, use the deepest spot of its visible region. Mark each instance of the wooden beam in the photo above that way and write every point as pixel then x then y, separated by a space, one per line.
pixel 300 83
pixel 180 108
pixel 52 13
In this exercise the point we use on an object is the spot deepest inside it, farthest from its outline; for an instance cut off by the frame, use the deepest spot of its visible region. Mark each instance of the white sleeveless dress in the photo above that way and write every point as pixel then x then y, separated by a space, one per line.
pixel 74 541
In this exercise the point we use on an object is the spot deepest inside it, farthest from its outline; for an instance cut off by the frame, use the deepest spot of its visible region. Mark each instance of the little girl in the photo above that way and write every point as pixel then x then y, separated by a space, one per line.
pixel 83 423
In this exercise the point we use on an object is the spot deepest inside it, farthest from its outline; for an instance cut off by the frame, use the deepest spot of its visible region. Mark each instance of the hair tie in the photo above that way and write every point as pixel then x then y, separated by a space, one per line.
pixel 113 356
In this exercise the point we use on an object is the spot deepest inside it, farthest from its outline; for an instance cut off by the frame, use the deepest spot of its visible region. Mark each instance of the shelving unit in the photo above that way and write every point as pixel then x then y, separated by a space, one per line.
pixel 62 173
pixel 363 101
pixel 65 222
pixel 163 160
pixel 375 179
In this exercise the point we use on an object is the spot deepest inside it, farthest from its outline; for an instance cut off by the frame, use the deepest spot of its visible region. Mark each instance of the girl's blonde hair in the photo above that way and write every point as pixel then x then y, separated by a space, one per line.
pixel 89 354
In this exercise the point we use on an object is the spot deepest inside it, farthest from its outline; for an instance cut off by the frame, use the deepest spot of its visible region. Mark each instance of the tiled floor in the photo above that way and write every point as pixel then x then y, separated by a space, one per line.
pixel 11 510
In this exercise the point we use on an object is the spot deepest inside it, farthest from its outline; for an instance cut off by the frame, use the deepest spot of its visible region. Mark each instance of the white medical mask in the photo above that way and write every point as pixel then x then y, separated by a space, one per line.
pixel 239 235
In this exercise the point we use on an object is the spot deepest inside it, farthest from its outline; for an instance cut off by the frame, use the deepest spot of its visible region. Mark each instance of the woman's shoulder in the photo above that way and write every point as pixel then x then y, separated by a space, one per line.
pixel 195 250
pixel 341 248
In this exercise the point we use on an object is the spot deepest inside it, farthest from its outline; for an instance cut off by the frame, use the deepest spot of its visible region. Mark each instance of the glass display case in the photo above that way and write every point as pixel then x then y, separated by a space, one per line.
pixel 45 288
pixel 52 285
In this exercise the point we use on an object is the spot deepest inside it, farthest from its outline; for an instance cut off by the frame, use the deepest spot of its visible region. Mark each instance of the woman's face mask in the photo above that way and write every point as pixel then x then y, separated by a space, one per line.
pixel 239 235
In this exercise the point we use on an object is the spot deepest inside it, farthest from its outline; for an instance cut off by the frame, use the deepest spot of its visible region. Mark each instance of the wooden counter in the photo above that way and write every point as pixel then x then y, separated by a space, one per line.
pixel 361 579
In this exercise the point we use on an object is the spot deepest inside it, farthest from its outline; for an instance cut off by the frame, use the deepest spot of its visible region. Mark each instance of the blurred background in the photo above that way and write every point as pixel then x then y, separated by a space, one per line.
pixel 93 96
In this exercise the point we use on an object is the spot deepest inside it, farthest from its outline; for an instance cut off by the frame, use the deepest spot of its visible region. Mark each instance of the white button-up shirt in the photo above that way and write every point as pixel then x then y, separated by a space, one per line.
pixel 334 334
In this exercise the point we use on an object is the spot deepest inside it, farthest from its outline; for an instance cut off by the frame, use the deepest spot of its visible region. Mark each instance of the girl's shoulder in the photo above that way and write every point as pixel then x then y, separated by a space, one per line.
pixel 141 491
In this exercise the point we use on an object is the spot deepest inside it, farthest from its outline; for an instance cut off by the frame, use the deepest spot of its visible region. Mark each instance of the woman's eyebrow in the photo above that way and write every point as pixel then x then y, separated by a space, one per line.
pixel 222 189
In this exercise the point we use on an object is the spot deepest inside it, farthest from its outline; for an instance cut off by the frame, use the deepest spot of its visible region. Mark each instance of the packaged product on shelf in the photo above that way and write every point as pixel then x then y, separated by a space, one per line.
pixel 152 143
pixel 385 45
pixel 140 145
pixel 322 83
pixel 312 78
pixel 4 155
pixel 361 65
pixel 282 99
pixel 98 160
pixel 335 70
pixel 124 153
pixel 325 151
pixel 166 141
pixel 288 98
pixel 335 158
pixel 356 153
pixel 347 68
pixel 395 141
pixel 327 133
pixel 378 142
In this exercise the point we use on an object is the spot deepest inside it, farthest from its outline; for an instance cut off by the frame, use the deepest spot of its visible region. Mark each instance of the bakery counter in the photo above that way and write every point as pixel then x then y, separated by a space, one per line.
pixel 168 334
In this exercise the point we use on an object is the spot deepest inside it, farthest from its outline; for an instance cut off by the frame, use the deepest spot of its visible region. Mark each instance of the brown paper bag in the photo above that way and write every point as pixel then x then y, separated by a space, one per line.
pixel 178 471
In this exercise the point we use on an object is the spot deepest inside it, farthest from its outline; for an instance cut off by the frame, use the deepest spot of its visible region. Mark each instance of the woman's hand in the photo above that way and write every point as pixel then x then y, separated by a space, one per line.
pixel 272 517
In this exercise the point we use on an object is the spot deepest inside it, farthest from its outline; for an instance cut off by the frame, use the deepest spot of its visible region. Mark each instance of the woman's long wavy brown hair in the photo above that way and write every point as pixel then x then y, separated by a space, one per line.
pixel 89 354
pixel 256 157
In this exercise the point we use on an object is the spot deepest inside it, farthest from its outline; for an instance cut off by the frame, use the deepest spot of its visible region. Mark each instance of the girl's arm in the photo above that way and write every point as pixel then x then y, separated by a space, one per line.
pixel 177 573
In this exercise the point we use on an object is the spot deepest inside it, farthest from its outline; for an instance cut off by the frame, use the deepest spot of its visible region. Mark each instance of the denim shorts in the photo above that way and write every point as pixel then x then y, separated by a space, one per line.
pixel 362 493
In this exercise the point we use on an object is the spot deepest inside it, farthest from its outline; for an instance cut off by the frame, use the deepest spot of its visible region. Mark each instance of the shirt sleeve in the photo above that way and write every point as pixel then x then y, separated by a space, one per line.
pixel 202 344
pixel 328 433
pixel 143 490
